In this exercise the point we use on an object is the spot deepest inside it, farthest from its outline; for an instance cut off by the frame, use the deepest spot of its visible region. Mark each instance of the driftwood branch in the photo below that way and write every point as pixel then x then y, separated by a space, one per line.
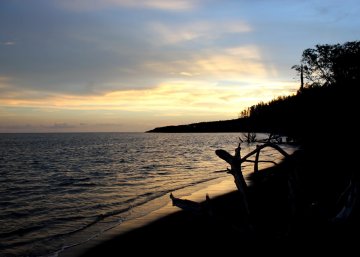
pixel 236 160
pixel 278 148
pixel 235 170
pixel 192 206
pixel 348 201
pixel 256 166
pixel 252 161
pixel 257 152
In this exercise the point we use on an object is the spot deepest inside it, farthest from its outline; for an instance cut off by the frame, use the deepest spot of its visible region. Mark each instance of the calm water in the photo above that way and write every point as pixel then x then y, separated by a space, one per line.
pixel 56 187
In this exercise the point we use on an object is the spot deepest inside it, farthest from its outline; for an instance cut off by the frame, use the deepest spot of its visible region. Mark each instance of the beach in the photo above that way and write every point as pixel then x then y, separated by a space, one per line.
pixel 57 200
pixel 184 231
pixel 275 226
pixel 164 226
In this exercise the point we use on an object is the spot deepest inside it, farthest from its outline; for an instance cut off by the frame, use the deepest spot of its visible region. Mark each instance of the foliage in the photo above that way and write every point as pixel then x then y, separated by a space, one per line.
pixel 327 65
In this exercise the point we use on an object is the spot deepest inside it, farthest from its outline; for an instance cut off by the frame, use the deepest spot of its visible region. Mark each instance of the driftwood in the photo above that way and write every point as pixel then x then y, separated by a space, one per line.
pixel 257 152
pixel 235 170
pixel 297 206
pixel 347 200
pixel 192 206
pixel 293 194
pixel 256 167
pixel 269 144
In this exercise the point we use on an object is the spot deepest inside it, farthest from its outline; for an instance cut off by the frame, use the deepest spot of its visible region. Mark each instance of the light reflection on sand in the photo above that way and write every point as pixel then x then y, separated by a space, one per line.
pixel 160 207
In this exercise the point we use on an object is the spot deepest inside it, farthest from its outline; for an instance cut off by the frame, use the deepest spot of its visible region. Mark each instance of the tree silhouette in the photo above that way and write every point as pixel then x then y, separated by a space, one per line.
pixel 327 64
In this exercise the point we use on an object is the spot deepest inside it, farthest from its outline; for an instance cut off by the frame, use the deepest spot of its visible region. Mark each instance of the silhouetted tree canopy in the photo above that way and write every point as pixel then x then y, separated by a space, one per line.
pixel 327 65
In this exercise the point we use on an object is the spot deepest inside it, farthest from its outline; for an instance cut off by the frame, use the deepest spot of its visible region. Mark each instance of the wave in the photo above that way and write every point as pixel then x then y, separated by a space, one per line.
pixel 20 231
pixel 141 199
pixel 85 183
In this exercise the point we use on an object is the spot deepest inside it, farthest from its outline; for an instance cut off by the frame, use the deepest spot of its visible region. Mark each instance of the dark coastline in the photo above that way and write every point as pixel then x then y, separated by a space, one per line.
pixel 235 125
pixel 276 227
pixel 180 232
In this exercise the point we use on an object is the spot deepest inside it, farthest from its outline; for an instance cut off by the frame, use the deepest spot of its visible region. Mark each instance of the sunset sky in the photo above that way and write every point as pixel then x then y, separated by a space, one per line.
pixel 132 65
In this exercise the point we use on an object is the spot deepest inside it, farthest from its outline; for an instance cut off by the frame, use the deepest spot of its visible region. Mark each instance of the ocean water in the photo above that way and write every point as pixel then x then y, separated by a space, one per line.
pixel 60 190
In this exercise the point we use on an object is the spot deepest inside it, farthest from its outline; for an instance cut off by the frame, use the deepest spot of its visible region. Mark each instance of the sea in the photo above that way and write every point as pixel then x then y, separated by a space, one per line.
pixel 59 190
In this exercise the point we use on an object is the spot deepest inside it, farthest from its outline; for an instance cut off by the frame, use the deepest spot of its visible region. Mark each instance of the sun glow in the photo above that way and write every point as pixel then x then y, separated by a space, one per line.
pixel 187 96
pixel 208 86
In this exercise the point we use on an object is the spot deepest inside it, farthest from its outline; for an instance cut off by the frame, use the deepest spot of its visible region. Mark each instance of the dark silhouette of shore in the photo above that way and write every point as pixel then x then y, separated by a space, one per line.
pixel 276 228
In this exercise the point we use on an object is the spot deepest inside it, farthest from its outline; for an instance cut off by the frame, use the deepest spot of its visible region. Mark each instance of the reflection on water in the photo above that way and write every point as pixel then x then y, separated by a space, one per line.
pixel 62 188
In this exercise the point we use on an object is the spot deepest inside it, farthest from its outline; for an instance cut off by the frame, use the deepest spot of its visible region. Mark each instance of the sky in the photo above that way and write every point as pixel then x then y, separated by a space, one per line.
pixel 133 65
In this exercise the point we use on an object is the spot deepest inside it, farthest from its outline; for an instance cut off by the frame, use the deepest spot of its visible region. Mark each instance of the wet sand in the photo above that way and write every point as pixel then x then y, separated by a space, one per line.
pixel 186 232
pixel 275 226
pixel 157 225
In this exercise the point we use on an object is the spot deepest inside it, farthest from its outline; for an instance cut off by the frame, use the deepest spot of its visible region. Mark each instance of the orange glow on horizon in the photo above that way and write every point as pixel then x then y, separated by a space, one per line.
pixel 176 95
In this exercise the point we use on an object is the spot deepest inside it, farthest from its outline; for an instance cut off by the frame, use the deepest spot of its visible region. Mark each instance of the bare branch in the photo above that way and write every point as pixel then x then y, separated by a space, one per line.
pixel 252 161
pixel 222 154
pixel 280 150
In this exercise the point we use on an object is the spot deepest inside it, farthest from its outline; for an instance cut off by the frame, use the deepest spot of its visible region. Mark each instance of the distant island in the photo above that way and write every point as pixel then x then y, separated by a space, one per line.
pixel 308 115
pixel 310 112
pixel 234 125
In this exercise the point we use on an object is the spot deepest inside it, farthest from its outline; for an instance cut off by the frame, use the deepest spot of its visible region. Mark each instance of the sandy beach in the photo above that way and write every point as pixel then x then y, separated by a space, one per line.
pixel 161 226
pixel 184 231
pixel 274 226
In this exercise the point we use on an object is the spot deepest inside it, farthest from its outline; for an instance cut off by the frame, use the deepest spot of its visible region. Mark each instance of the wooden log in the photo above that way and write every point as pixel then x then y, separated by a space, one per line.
pixel 192 206
pixel 186 204
pixel 256 164
pixel 235 170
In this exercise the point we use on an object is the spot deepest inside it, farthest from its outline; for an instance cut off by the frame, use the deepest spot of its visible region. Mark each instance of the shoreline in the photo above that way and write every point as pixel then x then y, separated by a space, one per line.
pixel 215 189
pixel 222 192
pixel 275 227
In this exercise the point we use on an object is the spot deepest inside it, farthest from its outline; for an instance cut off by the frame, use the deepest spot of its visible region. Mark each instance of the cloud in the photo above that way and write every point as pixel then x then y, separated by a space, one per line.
pixel 90 5
pixel 7 89
pixel 239 63
pixel 7 43
pixel 222 78
pixel 86 54
pixel 204 30
pixel 15 95
pixel 4 82
pixel 188 98
pixel 185 96
pixel 16 127
pixel 61 126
